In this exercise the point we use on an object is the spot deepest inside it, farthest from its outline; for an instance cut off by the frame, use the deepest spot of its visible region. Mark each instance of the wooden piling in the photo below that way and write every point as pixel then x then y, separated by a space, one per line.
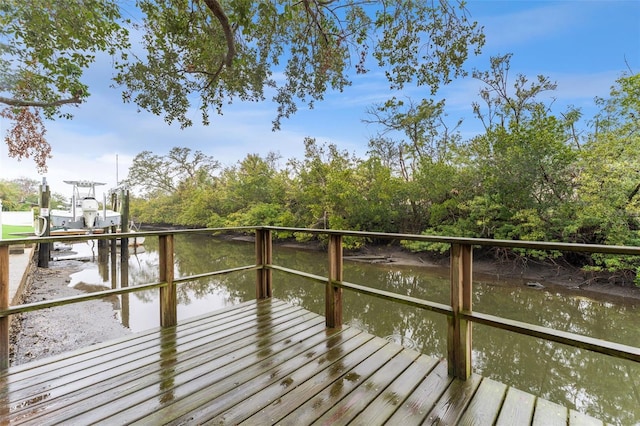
pixel 44 249
pixel 459 330
pixel 264 256
pixel 4 304
pixel 124 254
pixel 168 294
pixel 333 294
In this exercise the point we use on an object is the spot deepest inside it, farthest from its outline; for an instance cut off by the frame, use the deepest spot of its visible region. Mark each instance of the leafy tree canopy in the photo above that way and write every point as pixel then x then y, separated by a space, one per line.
pixel 211 52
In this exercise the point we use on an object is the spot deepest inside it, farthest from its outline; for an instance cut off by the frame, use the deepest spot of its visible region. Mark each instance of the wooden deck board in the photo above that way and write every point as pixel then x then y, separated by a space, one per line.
pixel 486 403
pixel 452 403
pixel 517 408
pixel 136 356
pixel 169 380
pixel 548 413
pixel 387 402
pixel 424 397
pixel 260 363
pixel 362 396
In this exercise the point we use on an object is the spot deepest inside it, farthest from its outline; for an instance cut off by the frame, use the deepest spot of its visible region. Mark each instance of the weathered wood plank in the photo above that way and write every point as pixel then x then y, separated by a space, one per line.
pixel 152 379
pixel 517 408
pixel 579 419
pixel 423 398
pixel 77 367
pixel 4 303
pixel 283 376
pixel 264 375
pixel 548 413
pixel 485 404
pixel 452 403
pixel 388 401
pixel 273 393
pixel 359 399
pixel 334 365
pixel 351 377
pixel 89 352
pixel 260 363
pixel 204 383
pixel 102 379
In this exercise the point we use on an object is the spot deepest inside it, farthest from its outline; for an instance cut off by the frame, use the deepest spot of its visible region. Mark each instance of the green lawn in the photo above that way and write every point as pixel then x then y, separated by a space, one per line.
pixel 7 230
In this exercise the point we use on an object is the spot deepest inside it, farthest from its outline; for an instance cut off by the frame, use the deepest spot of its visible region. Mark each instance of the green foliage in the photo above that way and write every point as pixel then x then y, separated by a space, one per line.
pixel 22 194
pixel 528 177
pixel 212 53
pixel 48 45
pixel 419 246
pixel 226 51
pixel 261 214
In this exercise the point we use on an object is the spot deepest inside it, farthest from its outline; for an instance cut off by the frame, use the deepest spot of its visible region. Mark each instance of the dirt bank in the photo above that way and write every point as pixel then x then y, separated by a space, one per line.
pixel 532 273
pixel 52 331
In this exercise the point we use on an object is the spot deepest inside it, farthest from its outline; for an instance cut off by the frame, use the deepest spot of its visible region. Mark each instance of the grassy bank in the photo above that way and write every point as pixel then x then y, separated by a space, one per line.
pixel 8 230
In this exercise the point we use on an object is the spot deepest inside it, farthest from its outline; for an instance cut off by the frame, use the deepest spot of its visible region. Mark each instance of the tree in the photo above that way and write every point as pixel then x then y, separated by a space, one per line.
pixel 225 51
pixel 609 180
pixel 429 137
pixel 253 180
pixel 429 143
pixel 159 175
pixel 503 106
pixel 46 46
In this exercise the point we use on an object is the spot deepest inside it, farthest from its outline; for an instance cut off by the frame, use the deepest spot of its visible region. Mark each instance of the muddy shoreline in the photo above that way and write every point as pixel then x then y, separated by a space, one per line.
pixel 48 332
pixel 533 274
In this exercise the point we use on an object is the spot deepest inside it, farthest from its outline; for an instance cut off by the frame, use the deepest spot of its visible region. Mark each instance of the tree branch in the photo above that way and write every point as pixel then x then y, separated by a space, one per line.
pixel 215 7
pixel 23 103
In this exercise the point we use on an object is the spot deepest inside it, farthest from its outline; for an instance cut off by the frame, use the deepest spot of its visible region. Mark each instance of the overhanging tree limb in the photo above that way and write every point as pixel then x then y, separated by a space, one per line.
pixel 36 104
pixel 215 7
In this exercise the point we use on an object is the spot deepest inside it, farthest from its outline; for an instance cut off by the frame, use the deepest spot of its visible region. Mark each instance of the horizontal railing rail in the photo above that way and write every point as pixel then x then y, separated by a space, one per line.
pixel 439 308
pixel 35 306
pixel 459 312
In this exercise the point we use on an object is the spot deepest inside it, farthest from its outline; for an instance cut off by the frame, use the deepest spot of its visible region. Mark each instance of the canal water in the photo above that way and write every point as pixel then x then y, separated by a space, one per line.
pixel 598 385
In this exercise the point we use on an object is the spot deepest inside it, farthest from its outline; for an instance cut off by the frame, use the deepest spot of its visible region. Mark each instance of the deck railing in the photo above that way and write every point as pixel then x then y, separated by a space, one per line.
pixel 459 312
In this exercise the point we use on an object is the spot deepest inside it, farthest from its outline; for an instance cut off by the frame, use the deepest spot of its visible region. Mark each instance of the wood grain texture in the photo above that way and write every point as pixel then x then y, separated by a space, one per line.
pixel 260 362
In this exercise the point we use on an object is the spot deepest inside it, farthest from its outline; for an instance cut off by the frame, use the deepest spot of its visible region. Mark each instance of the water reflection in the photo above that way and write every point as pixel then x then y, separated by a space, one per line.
pixel 167 365
pixel 595 384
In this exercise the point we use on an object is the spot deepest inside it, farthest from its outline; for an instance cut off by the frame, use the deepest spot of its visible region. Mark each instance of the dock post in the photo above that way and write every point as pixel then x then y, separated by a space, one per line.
pixel 4 304
pixel 459 329
pixel 264 256
pixel 333 294
pixel 44 249
pixel 124 254
pixel 168 294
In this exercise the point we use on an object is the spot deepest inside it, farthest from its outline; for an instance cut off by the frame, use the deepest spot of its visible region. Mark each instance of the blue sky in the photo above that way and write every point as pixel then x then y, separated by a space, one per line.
pixel 583 45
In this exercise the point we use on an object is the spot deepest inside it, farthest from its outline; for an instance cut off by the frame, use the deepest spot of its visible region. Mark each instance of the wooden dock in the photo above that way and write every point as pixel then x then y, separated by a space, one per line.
pixel 260 362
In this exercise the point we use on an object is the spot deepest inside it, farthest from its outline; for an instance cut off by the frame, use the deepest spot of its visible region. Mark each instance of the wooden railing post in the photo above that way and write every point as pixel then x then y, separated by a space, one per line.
pixel 459 330
pixel 4 303
pixel 264 256
pixel 168 294
pixel 333 294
